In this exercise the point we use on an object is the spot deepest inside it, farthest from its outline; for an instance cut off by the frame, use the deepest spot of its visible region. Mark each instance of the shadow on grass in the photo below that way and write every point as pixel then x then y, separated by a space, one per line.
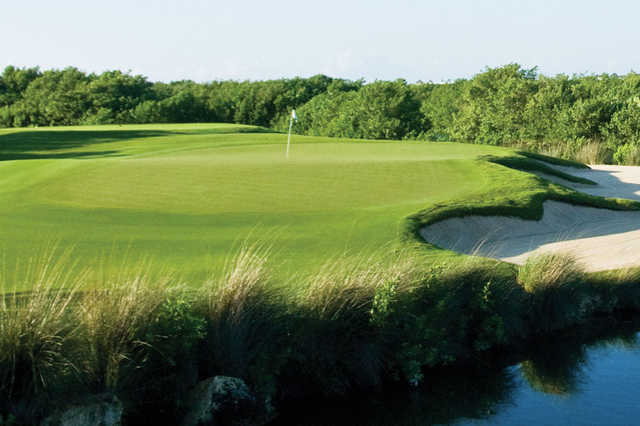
pixel 8 156
pixel 27 145
pixel 51 144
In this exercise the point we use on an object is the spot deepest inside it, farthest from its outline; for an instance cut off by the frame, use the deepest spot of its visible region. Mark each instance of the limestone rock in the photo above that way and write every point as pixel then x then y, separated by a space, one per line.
pixel 221 400
pixel 103 411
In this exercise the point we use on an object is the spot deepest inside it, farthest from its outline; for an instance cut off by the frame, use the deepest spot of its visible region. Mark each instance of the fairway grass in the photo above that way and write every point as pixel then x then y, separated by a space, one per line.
pixel 182 196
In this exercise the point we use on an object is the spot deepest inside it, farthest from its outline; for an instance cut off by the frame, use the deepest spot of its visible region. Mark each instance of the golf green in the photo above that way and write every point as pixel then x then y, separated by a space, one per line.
pixel 183 196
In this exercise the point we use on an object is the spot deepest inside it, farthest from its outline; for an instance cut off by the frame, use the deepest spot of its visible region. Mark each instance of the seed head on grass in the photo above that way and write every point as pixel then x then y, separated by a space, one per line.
pixel 243 279
pixel 348 286
pixel 337 291
pixel 345 314
pixel 549 271
pixel 241 306
pixel 593 152
pixel 113 317
pixel 553 281
pixel 35 324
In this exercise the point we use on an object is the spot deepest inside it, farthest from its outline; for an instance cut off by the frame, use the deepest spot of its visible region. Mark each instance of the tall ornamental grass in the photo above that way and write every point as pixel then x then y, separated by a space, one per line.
pixel 114 317
pixel 244 312
pixel 355 323
pixel 35 325
pixel 553 281
pixel 344 314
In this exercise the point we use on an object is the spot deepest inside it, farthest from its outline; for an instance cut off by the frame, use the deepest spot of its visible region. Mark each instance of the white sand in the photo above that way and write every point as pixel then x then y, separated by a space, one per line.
pixel 613 181
pixel 601 239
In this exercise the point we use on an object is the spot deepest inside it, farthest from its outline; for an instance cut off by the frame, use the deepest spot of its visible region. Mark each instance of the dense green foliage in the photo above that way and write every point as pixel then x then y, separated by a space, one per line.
pixel 29 97
pixel 584 117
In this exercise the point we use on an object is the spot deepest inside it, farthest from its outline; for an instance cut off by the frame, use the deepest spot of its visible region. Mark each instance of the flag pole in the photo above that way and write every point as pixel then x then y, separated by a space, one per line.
pixel 289 137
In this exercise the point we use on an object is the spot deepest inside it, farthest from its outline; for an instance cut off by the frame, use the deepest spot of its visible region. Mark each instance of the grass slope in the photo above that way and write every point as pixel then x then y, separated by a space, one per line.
pixel 184 195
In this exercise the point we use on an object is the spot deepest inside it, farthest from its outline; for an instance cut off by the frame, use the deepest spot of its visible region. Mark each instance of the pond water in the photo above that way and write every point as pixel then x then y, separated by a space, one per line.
pixel 569 379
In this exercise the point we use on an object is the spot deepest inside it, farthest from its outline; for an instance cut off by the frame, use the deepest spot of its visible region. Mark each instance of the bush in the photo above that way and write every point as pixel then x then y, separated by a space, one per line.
pixel 627 154
pixel 451 312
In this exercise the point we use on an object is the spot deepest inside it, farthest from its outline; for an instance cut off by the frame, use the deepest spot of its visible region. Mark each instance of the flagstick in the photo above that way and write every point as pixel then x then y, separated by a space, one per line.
pixel 289 137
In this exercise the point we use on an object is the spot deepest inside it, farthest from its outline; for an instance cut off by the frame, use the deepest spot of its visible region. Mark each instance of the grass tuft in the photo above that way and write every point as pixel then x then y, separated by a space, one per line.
pixel 242 310
pixel 113 319
pixel 549 271
pixel 553 281
pixel 594 152
pixel 35 325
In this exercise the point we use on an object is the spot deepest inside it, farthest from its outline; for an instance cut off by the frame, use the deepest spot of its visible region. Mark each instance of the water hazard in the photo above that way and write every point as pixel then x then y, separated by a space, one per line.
pixel 575 378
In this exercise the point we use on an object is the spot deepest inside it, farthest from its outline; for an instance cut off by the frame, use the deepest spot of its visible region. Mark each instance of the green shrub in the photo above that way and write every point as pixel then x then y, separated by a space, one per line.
pixel 627 154
pixel 383 302
pixel 618 289
pixel 178 327
pixel 170 365
pixel 484 302
pixel 451 312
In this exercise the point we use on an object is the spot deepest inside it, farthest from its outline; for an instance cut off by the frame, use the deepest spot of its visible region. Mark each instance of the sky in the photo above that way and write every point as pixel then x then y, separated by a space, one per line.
pixel 370 39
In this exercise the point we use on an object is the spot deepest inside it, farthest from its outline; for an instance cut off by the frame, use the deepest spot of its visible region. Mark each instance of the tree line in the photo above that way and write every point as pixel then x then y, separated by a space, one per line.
pixel 29 97
pixel 587 117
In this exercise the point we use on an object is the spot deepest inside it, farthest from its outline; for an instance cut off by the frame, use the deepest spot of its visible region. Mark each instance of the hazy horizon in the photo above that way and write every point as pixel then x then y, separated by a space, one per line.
pixel 375 40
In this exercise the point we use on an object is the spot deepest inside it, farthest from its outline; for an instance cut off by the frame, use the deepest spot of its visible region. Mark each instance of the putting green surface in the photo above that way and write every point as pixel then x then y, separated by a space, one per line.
pixel 183 195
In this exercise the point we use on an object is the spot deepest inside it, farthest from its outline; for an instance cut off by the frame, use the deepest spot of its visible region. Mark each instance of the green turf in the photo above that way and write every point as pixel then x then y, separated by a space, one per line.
pixel 184 195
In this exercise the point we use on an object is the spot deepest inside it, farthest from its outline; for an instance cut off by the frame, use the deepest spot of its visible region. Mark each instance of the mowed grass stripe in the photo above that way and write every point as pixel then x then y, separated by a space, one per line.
pixel 201 188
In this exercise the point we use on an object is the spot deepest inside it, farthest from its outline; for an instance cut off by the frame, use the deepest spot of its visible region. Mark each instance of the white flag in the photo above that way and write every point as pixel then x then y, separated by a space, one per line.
pixel 293 114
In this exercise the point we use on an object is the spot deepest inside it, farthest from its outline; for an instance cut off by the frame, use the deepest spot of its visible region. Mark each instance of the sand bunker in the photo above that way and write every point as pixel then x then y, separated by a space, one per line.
pixel 613 181
pixel 601 239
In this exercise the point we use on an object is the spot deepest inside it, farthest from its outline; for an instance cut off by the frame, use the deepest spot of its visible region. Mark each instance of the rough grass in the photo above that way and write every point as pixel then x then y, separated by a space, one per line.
pixel 244 312
pixel 554 282
pixel 112 319
pixel 358 322
pixel 594 153
pixel 35 325
pixel 541 273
